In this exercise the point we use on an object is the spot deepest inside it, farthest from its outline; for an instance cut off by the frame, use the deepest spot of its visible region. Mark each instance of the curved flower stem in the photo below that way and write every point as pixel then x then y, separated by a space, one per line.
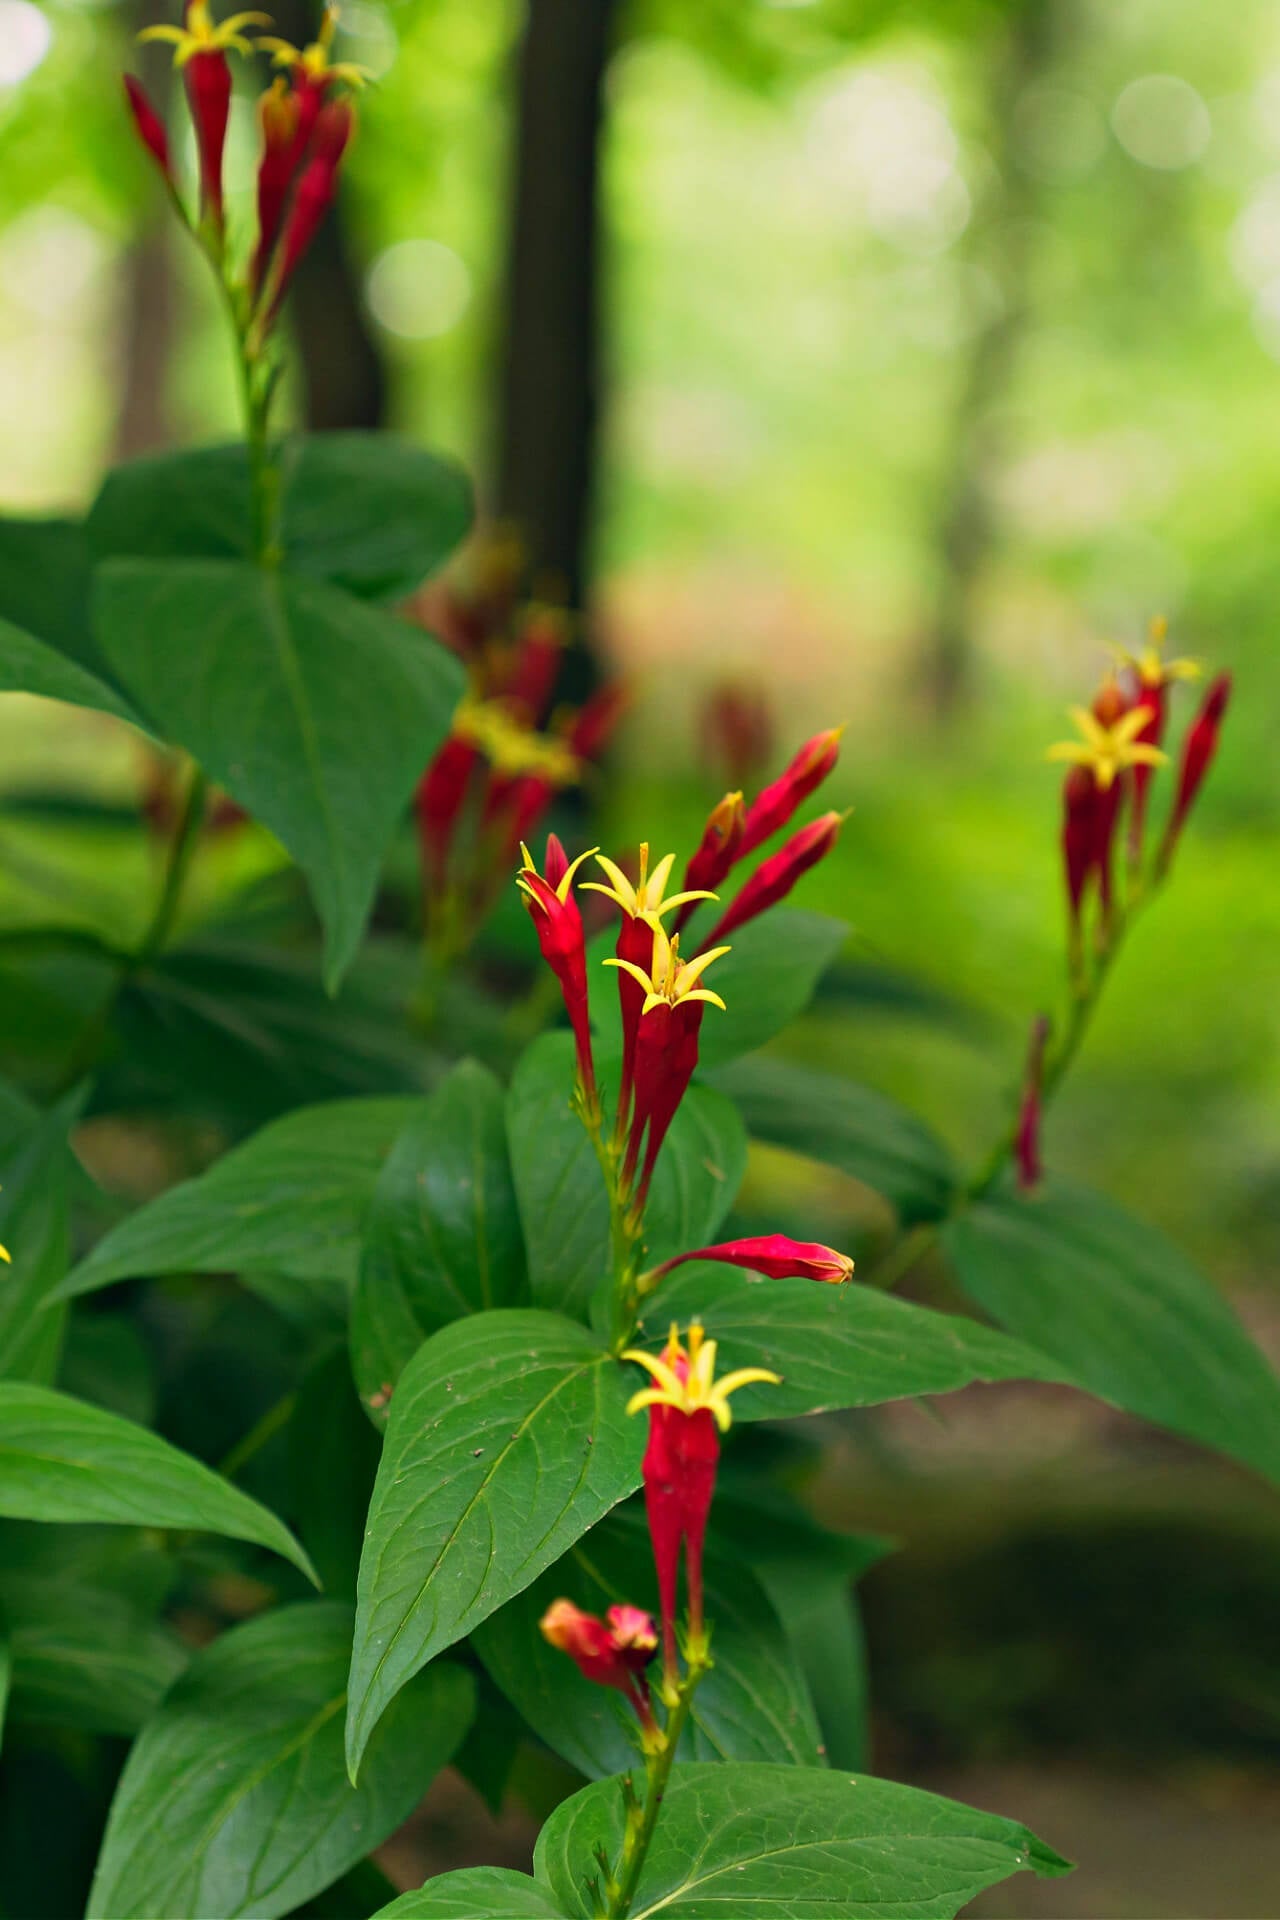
pixel 642 1819
pixel 626 1230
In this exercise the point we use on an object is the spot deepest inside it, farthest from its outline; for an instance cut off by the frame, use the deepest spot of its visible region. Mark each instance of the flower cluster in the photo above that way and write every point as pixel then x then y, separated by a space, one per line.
pixel 511 750
pixel 662 994
pixel 1111 767
pixel 306 121
pixel 688 1409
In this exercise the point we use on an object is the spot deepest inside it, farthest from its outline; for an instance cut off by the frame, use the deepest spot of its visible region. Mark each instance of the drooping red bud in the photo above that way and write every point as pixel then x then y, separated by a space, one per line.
pixel 150 127
pixel 773 1255
pixel 772 808
pixel 1198 750
pixel 774 878
pixel 612 1652
pixel 313 195
pixel 278 117
pixel 207 78
pixel 538 660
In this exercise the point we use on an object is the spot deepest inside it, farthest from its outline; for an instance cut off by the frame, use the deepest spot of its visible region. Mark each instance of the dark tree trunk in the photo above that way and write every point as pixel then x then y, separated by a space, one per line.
pixel 343 376
pixel 551 352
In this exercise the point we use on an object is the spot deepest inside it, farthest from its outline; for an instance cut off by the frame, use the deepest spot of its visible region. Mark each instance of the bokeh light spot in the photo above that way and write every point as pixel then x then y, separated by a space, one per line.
pixel 25 39
pixel 418 289
pixel 1161 121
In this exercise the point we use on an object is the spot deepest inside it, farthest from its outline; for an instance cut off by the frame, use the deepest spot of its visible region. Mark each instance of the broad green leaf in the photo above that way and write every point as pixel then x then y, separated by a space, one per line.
pixel 476 1893
pixel 1120 1308
pixel 443 1236
pixel 106 1359
pixel 291 1200
pixel 27 665
pixel 563 1205
pixel 372 512
pixel 315 711
pixel 44 587
pixel 61 1459
pixel 753 1705
pixel 35 1169
pixel 235 1801
pixel 778 1843
pixel 766 979
pixel 84 1656
pixel 844 1125
pixel 835 1346
pixel 508 1438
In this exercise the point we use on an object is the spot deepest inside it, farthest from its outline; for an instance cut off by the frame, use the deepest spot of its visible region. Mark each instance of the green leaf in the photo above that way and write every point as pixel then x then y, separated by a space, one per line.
pixel 44 587
pixel 27 665
pixel 234 1801
pixel 767 979
pixel 372 512
pixel 776 1843
pixel 291 1200
pixel 753 1705
pixel 508 1439
pixel 835 1346
pixel 844 1125
pixel 61 1459
pixel 443 1237
pixel 476 1893
pixel 35 1170
pixel 563 1205
pixel 315 711
pixel 84 1656
pixel 1124 1311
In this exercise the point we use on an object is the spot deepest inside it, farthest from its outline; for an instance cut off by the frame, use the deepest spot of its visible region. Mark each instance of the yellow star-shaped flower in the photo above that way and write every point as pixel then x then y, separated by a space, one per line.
pixel 1108 751
pixel 314 59
pixel 644 900
pixel 513 748
pixel 200 33
pixel 687 1382
pixel 672 980
pixel 1151 667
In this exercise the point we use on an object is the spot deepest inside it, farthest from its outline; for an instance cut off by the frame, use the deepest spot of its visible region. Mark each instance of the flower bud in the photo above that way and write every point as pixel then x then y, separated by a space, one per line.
pixel 1027 1137
pixel 1198 750
pixel 592 727
pixel 773 1255
pixel 278 117
pixel 772 808
pixel 774 878
pixel 207 78
pixel 150 127
pixel 438 802
pixel 539 657
pixel 612 1652
pixel 717 850
pixel 558 925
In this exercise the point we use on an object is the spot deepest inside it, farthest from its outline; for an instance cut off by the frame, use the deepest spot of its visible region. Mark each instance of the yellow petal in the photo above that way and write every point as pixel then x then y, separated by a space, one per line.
pixel 6 1256
pixel 748 1377
pixel 1073 750
pixel 659 877
pixel 690 970
pixel 641 979
pixel 659 1369
pixel 174 34
pixel 680 899
pixel 705 993
pixel 652 1397
pixel 620 887
pixel 562 891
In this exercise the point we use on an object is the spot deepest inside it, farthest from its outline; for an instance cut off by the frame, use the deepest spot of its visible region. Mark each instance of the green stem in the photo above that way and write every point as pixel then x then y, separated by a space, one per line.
pixel 181 850
pixel 276 1416
pixel 639 1834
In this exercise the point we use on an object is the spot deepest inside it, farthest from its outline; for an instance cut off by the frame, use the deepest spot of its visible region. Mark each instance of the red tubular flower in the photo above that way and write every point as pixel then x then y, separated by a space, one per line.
pixel 612 1652
pixel 1079 836
pixel 773 807
pixel 313 195
pixel 438 802
pixel 282 143
pixel 773 1255
pixel 150 126
pixel 688 1408
pixel 1027 1138
pixel 774 878
pixel 558 925
pixel 718 848
pixel 1198 750
pixel 207 78
pixel 665 1049
pixel 538 659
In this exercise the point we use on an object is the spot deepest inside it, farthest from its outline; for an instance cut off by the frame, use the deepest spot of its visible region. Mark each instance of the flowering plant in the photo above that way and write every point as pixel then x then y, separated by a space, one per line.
pixel 462 1326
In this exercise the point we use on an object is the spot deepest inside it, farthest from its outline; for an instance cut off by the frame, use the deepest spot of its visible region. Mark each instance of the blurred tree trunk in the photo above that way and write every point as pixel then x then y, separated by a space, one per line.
pixel 550 372
pixel 142 420
pixel 343 375
pixel 965 528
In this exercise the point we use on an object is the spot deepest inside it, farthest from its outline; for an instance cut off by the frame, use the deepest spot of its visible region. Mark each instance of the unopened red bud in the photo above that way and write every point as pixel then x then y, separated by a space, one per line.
pixel 612 1652
pixel 1027 1137
pixel 592 727
pixel 558 925
pixel 438 803
pixel 1198 750
pixel 278 116
pixel 774 878
pixel 539 657
pixel 719 847
pixel 150 127
pixel 773 1255
pixel 772 808
pixel 1110 702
